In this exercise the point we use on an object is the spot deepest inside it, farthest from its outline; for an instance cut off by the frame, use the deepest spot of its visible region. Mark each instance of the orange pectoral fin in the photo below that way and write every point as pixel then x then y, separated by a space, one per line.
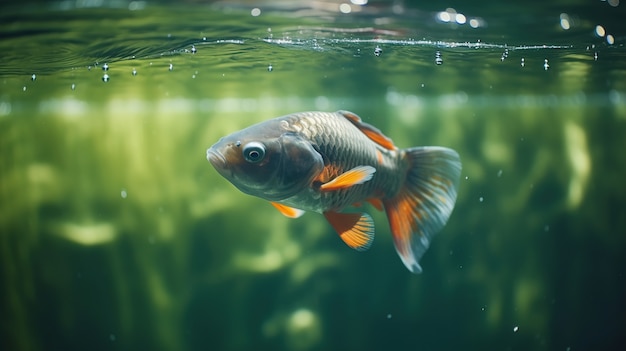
pixel 356 175
pixel 355 229
pixel 288 211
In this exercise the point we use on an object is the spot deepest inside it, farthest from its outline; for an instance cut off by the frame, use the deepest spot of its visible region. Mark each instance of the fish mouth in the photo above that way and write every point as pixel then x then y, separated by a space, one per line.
pixel 216 158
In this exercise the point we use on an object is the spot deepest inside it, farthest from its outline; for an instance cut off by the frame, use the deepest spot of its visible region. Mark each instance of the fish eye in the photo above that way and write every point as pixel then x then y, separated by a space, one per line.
pixel 254 152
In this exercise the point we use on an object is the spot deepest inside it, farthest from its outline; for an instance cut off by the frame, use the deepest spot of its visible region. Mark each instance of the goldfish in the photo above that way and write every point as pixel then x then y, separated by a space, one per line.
pixel 332 163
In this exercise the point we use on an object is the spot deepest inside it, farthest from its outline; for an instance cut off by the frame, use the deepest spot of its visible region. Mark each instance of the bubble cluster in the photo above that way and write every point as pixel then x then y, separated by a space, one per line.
pixel 601 32
pixel 438 58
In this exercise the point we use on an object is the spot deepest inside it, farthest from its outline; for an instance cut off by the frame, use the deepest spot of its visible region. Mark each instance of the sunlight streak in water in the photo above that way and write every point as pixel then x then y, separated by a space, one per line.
pixel 580 162
pixel 88 234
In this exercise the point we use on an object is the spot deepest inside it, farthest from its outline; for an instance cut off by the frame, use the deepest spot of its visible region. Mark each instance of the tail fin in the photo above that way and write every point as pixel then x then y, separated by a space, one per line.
pixel 424 203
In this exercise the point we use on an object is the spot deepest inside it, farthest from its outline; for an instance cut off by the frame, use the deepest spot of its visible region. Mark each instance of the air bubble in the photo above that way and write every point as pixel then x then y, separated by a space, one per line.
pixel 33 77
pixel 545 64
pixel 171 67
pixel 600 31
pixel 105 67
pixel 193 49
pixel 610 39
pixel 105 78
pixel 438 59
pixel 523 62
pixel 378 51
pixel 565 21
pixel 73 86
pixel 134 72
pixel 270 68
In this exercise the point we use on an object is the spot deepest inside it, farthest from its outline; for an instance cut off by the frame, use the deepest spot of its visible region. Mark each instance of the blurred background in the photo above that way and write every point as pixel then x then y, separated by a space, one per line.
pixel 117 234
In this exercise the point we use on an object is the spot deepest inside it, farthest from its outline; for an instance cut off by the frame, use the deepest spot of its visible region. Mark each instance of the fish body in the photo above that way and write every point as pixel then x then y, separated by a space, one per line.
pixel 330 162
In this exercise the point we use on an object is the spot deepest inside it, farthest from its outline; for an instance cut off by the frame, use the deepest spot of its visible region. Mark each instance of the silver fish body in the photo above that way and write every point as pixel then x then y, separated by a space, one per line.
pixel 328 161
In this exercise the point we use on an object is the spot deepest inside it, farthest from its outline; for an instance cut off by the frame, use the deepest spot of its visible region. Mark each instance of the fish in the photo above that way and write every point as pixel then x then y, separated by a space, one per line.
pixel 333 163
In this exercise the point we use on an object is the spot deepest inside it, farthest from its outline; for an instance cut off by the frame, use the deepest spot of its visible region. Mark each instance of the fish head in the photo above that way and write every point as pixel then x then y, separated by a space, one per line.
pixel 266 161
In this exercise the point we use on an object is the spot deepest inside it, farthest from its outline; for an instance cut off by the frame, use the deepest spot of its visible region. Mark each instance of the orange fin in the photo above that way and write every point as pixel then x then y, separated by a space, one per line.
pixel 376 202
pixel 288 211
pixel 369 130
pixel 424 204
pixel 356 175
pixel 355 229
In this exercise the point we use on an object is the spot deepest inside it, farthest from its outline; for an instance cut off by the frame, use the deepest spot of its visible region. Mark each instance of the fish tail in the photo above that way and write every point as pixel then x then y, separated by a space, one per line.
pixel 425 201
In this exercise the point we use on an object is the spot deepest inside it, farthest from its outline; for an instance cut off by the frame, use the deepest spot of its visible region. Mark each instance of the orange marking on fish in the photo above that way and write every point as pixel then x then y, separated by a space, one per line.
pixel 379 157
pixel 376 202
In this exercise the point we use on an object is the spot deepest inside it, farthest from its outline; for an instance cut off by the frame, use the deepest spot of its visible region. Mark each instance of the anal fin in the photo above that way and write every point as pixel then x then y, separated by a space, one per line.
pixel 355 229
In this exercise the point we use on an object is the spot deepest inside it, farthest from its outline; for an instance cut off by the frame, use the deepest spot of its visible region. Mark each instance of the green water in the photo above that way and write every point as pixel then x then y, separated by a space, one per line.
pixel 117 234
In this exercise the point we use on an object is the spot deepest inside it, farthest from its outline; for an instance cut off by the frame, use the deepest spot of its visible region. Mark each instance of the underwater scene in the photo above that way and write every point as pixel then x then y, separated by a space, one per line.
pixel 117 233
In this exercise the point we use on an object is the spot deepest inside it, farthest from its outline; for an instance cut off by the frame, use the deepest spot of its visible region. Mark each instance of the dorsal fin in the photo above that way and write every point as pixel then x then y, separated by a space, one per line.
pixel 369 130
